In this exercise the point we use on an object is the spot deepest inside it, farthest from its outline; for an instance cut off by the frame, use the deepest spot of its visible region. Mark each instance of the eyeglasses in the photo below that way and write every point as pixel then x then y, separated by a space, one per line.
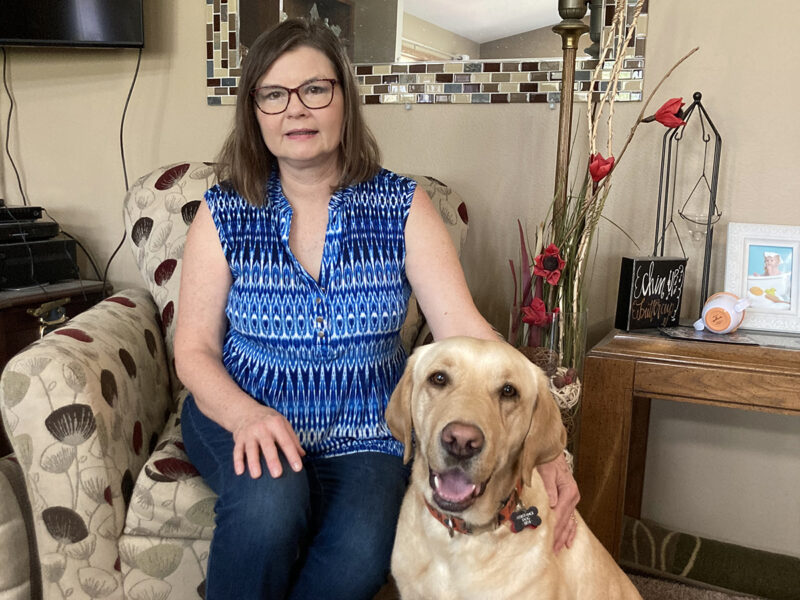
pixel 274 99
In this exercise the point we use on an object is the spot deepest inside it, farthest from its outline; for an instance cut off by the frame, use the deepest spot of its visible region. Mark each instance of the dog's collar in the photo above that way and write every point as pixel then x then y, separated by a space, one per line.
pixel 512 512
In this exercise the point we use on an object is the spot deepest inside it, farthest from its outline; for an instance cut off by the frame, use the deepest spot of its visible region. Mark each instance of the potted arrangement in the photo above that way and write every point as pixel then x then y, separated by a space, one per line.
pixel 548 318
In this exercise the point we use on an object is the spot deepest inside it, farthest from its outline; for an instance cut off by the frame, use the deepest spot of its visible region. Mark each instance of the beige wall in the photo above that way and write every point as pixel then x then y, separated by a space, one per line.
pixel 733 476
pixel 420 31
pixel 65 125
pixel 537 43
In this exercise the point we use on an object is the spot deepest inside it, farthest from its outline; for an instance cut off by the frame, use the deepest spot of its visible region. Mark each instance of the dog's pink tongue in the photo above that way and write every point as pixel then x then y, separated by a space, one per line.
pixel 454 485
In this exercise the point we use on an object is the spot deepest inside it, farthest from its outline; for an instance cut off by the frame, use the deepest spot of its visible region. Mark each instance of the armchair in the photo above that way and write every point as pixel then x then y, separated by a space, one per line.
pixel 92 412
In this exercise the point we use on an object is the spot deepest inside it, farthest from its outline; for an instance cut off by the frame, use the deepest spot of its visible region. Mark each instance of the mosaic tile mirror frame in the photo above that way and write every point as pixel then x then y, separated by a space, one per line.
pixel 497 81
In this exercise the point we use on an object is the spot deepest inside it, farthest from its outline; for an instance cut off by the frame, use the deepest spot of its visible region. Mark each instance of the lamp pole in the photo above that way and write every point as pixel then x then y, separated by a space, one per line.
pixel 570 29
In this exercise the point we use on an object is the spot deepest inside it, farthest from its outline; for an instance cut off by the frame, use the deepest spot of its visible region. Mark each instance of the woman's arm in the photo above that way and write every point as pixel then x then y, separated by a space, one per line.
pixel 435 274
pixel 199 334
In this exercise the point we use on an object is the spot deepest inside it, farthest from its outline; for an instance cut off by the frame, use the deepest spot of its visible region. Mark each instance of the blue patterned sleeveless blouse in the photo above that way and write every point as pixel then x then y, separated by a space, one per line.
pixel 326 354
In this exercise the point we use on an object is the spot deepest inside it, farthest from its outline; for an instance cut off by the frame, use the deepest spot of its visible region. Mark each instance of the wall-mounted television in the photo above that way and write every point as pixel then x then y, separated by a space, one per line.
pixel 72 23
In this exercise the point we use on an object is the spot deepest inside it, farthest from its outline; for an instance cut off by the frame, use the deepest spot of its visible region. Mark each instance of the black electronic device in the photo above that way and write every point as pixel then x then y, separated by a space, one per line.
pixel 38 262
pixel 72 23
pixel 21 231
pixel 20 213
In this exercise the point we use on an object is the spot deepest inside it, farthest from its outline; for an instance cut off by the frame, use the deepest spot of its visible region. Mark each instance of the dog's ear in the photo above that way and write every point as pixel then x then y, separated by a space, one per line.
pixel 547 436
pixel 398 411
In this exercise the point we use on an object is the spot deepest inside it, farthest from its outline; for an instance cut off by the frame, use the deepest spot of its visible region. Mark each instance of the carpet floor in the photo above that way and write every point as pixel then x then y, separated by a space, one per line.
pixel 658 588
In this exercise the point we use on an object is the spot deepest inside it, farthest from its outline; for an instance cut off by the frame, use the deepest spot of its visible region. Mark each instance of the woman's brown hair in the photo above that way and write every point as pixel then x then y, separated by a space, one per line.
pixel 244 161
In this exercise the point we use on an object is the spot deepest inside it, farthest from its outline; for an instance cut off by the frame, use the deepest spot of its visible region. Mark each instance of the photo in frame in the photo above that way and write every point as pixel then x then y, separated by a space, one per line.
pixel 763 265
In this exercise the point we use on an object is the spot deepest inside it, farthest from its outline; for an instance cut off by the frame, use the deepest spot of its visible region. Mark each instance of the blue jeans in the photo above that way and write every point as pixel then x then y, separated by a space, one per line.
pixel 324 533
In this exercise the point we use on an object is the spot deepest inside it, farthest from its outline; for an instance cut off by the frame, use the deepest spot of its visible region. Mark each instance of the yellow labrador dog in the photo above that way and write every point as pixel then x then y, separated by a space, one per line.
pixel 476 523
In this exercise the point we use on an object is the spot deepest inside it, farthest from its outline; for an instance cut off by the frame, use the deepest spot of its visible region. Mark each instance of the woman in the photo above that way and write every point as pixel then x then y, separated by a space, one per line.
pixel 296 275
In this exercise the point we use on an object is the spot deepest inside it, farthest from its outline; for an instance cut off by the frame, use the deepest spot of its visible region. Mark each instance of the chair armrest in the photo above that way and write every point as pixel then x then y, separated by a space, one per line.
pixel 83 407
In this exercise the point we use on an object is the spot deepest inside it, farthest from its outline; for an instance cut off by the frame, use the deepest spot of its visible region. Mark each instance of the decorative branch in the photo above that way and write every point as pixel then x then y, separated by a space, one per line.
pixel 640 118
pixel 569 232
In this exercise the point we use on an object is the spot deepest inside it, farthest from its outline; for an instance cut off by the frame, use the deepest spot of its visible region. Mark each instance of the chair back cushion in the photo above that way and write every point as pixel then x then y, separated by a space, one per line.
pixel 158 209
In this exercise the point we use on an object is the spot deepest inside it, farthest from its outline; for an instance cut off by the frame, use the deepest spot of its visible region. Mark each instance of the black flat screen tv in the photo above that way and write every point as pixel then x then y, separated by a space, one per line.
pixel 72 23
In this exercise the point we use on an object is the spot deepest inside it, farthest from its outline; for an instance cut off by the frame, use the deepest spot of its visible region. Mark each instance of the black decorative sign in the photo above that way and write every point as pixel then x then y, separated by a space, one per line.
pixel 650 290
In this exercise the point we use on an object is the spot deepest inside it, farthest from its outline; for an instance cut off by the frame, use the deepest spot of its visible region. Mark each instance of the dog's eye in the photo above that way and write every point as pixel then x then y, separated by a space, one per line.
pixel 508 391
pixel 438 378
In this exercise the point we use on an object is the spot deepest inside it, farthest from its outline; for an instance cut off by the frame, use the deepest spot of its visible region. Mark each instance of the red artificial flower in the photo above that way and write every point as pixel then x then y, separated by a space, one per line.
pixel 549 264
pixel 599 167
pixel 670 114
pixel 536 313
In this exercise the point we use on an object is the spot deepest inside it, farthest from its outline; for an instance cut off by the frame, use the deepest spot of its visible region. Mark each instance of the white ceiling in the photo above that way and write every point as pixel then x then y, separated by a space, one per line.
pixel 485 20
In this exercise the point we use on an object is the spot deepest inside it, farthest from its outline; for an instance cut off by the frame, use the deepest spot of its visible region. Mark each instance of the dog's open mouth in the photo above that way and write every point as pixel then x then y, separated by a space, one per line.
pixel 453 490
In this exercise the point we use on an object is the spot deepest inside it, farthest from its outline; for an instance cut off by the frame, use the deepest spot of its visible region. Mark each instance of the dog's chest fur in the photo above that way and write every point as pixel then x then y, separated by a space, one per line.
pixel 464 566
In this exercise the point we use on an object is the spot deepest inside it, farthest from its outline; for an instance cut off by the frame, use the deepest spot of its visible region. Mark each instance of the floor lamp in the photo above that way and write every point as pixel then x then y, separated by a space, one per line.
pixel 570 29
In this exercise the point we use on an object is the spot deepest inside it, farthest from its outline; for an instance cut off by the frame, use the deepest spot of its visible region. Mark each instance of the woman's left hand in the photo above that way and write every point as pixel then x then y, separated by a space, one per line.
pixel 564 496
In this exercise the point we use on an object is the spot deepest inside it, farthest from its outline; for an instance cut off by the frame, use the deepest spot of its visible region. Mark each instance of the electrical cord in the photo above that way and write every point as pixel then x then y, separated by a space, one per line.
pixel 32 270
pixel 77 241
pixel 8 130
pixel 124 166
pixel 29 250
pixel 24 240
pixel 85 251
pixel 122 122
pixel 31 261
pixel 104 276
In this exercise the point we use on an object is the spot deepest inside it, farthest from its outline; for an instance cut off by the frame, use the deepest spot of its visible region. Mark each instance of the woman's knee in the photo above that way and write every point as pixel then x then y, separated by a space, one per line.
pixel 274 511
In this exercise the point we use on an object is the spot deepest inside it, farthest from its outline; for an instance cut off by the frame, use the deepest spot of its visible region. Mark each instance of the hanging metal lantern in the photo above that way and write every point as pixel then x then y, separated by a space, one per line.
pixel 698 209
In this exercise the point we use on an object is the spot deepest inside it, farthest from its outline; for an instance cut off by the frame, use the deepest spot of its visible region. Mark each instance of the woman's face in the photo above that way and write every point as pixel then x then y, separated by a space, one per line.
pixel 302 137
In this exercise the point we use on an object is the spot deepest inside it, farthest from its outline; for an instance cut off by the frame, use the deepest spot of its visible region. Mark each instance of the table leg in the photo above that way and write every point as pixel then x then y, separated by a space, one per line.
pixel 601 467
pixel 637 455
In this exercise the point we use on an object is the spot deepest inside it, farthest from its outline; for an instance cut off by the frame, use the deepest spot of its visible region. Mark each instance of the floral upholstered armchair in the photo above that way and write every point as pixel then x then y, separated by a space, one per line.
pixel 92 413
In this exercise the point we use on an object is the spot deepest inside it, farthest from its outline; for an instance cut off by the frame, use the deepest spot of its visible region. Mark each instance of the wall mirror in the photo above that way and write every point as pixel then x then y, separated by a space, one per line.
pixel 426 51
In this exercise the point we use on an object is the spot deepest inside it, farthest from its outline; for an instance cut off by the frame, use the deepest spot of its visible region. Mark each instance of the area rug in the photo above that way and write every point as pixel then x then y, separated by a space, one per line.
pixel 688 557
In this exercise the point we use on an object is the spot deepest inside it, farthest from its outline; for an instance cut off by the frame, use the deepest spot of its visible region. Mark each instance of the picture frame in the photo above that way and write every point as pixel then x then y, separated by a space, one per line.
pixel 763 265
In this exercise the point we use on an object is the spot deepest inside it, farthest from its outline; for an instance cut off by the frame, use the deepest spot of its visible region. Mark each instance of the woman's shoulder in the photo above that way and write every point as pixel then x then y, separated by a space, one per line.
pixel 387 179
pixel 221 189
pixel 385 191
pixel 227 205
pixel 223 194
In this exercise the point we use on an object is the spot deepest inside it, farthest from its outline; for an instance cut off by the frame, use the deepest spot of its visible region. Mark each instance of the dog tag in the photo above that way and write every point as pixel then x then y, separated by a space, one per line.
pixel 528 517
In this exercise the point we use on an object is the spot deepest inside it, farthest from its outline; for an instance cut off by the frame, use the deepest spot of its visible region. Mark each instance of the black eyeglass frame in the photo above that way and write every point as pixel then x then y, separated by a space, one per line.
pixel 295 91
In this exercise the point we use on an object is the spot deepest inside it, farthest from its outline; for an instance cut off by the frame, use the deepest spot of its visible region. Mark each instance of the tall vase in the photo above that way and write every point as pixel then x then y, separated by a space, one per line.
pixel 558 345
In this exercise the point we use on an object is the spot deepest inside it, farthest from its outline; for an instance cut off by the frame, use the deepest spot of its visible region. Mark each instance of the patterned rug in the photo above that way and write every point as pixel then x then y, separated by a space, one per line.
pixel 688 557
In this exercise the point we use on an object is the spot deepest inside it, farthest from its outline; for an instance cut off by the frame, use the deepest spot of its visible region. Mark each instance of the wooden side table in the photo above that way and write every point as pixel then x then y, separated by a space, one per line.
pixel 25 315
pixel 626 370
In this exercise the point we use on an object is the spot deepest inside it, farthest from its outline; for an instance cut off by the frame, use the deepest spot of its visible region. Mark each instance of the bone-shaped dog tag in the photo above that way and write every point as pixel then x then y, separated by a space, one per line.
pixel 528 517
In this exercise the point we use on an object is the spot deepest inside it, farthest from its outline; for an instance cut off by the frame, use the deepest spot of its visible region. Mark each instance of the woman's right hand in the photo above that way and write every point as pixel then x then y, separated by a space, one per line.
pixel 263 430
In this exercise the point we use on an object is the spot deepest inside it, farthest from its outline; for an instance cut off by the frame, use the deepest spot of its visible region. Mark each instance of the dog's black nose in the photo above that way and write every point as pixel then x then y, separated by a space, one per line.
pixel 462 440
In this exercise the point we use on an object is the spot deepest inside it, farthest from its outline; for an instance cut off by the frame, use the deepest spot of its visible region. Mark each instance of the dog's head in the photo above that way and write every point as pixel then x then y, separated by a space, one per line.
pixel 482 416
